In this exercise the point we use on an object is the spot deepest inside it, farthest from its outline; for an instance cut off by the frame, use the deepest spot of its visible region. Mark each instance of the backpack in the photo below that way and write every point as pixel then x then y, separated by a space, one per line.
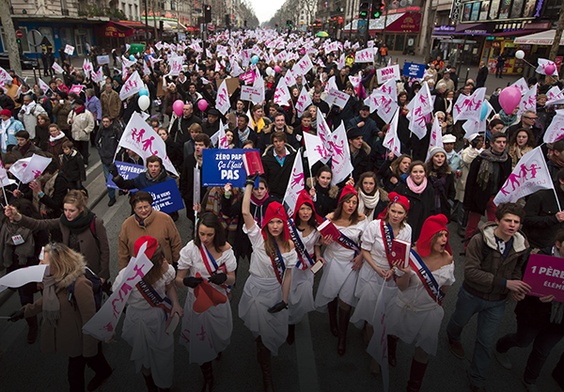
pixel 96 288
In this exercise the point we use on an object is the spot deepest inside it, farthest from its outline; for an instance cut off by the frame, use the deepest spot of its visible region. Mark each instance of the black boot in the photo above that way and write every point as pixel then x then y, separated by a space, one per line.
pixel 392 344
pixel 332 309
pixel 344 317
pixel 264 359
pixel 150 384
pixel 33 327
pixel 207 371
pixel 291 334
pixel 416 376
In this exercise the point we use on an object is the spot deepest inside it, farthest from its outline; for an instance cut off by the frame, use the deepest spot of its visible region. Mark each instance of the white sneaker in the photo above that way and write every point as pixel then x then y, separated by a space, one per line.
pixel 503 360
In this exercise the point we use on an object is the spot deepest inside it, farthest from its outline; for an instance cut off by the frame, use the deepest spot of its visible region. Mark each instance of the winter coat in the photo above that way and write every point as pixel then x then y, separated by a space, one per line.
pixel 107 140
pixel 142 181
pixel 486 271
pixel 29 120
pixel 158 225
pixel 421 206
pixel 278 175
pixel 466 157
pixel 540 224
pixel 82 125
pixel 95 249
pixel 72 166
pixel 111 104
pixel 263 138
pixel 56 147
pixel 62 114
pixel 27 152
pixel 362 162
pixel 10 137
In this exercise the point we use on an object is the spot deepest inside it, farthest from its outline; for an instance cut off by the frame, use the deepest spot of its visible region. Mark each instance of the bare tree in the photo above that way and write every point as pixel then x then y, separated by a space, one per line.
pixel 557 34
pixel 10 34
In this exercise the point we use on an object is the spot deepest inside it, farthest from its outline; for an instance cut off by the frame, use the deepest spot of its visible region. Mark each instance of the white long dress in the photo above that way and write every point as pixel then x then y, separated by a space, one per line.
pixel 414 316
pixel 262 291
pixel 369 283
pixel 339 279
pixel 300 301
pixel 206 334
pixel 144 329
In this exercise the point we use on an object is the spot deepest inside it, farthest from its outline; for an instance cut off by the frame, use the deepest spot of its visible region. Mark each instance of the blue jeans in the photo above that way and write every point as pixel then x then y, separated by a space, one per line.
pixel 543 339
pixel 111 191
pixel 490 314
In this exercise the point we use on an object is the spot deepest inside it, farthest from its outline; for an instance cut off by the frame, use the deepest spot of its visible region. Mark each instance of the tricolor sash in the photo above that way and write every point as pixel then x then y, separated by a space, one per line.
pixel 153 298
pixel 211 264
pixel 427 278
pixel 388 238
pixel 347 243
pixel 278 264
pixel 305 260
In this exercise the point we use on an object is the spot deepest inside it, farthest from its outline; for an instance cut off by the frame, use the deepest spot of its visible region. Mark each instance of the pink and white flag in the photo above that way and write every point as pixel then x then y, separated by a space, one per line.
pixel 57 68
pixel 472 127
pixel 530 175
pixel 384 100
pixel 281 93
pixel 132 85
pixel 341 156
pixel 337 98
pixel 289 78
pixel 419 109
pixel 555 130
pixel 304 101
pixel 315 149
pixel 142 139
pixel 355 80
pixel 126 62
pixel 324 133
pixel 341 62
pixel 543 64
pixel 469 107
pixel 175 63
pixel 103 324
pixel 391 140
pixel 528 101
pixel 28 169
pixel 364 56
pixel 436 139
pixel 553 93
pixel 5 76
pixel 76 88
pixel 87 67
pixel 222 100
pixel 98 76
pixel 146 69
pixel 42 85
pixel 236 70
pixel 4 179
pixel 296 184
pixel 258 84
pixel 522 85
pixel 303 66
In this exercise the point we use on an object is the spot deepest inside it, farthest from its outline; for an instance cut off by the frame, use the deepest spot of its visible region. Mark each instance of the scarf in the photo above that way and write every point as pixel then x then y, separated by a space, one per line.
pixel 260 202
pixel 80 224
pixel 53 139
pixel 51 306
pixel 414 187
pixel 486 171
pixel 368 202
pixel 439 185
pixel 507 119
pixel 244 135
pixel 79 110
pixel 28 108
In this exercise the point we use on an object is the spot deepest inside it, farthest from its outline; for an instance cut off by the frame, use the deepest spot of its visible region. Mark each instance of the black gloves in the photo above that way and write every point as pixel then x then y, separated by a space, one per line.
pixel 251 179
pixel 113 170
pixel 278 307
pixel 192 281
pixel 17 315
pixel 107 288
pixel 218 278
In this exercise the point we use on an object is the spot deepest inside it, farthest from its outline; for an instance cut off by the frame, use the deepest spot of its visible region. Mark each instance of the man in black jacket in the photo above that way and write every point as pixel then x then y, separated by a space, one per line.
pixel 277 161
pixel 360 153
pixel 179 129
pixel 191 162
pixel 107 140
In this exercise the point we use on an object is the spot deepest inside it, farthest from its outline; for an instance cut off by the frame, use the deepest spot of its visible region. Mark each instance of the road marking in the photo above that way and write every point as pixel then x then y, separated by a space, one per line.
pixel 92 168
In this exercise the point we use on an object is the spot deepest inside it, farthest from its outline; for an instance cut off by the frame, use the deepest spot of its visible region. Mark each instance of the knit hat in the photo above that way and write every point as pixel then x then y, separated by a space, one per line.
pixel 275 210
pixel 449 138
pixel 435 150
pixel 305 198
pixel 353 133
pixel 431 226
pixel 395 198
pixel 6 112
pixel 152 245
pixel 346 190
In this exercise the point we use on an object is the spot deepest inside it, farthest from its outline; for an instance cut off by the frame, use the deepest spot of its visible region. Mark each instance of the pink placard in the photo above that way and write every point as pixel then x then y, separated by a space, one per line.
pixel 545 275
pixel 76 88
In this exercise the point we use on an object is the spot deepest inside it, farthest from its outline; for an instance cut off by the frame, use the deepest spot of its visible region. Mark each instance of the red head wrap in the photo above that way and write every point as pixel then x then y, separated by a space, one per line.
pixel 346 190
pixel 152 245
pixel 431 226
pixel 275 210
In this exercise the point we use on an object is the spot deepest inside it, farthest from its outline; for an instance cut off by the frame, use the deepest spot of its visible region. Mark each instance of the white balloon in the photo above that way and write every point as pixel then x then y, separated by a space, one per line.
pixel 520 54
pixel 144 102
pixel 269 71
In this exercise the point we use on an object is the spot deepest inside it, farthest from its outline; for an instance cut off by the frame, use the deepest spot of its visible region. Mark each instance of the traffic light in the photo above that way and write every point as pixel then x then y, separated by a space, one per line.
pixel 245 23
pixel 207 14
pixel 289 24
pixel 377 8
pixel 363 10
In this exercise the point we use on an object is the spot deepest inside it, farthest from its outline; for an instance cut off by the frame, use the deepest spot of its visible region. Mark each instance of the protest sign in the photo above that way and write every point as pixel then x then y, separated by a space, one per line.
pixel 69 49
pixel 388 73
pixel 105 59
pixel 545 275
pixel 127 171
pixel 166 196
pixel 414 70
pixel 220 167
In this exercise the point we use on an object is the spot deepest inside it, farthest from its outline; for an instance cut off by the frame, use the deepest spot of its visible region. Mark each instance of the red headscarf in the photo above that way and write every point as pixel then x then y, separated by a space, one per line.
pixel 431 226
pixel 305 198
pixel 152 245
pixel 346 190
pixel 275 210
pixel 395 198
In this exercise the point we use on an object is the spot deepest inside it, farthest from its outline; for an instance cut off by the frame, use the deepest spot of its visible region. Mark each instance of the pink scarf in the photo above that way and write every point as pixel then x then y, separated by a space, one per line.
pixel 414 187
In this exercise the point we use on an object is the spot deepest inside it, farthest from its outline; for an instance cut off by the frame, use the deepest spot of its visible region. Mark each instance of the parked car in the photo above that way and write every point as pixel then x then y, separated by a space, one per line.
pixel 26 61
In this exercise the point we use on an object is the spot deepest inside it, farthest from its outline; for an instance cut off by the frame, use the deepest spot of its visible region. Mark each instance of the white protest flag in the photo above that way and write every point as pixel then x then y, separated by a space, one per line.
pixel 142 139
pixel 436 139
pixel 324 133
pixel 126 62
pixel 222 100
pixel 530 175
pixel 289 78
pixel 236 70
pixel 332 84
pixel 258 84
pixel 522 85
pixel 4 180
pixel 87 67
pixel 543 63
pixel 469 107
pixel 98 76
pixel 146 69
pixel 208 54
pixel 384 100
pixel 296 184
pixel 43 86
pixel 175 63
pixel 378 345
pixel 355 80
pixel 528 101
pixel 28 169
pixel 364 56
pixel 555 130
pixel 103 324
pixel 341 63
pixel 303 102
pixel 316 151
pixel 303 66
pixel 392 141
pixel 217 66
pixel 421 106
pixel 553 93
pixel 472 127
pixel 222 137
pixel 131 86
pixel 57 68
pixel 281 93
pixel 341 155
pixel 23 276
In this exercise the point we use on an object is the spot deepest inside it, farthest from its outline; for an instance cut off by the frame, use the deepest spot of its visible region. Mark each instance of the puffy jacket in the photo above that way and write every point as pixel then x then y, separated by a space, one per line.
pixel 107 140
pixel 10 137
pixel 81 125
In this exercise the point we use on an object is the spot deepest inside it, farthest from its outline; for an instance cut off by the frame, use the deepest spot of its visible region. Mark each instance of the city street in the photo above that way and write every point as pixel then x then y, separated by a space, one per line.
pixel 310 364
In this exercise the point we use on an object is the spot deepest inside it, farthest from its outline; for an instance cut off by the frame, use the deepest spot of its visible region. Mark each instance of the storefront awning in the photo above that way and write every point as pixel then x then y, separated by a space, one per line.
pixel 403 22
pixel 130 24
pixel 169 25
pixel 541 38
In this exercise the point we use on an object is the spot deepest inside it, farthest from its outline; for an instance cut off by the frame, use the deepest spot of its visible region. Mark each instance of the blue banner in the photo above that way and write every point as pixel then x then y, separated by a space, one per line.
pixel 223 166
pixel 414 70
pixel 166 196
pixel 127 171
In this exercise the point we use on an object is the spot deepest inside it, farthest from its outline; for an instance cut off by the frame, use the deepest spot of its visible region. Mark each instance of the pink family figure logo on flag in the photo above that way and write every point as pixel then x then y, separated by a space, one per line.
pixel 36 173
pixel 516 180
pixel 321 151
pixel 109 327
pixel 137 135
pixel 297 178
pixel 148 145
pixel 338 150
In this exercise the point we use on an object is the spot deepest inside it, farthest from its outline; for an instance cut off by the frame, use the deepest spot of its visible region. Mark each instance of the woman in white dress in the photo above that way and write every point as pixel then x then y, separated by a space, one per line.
pixel 265 295
pixel 416 314
pixel 306 239
pixel 206 263
pixel 153 301
pixel 377 271
pixel 343 261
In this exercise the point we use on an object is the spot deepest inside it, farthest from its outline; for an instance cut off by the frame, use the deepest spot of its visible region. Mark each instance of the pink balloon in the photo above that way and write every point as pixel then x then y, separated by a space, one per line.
pixel 277 69
pixel 202 105
pixel 509 98
pixel 549 69
pixel 177 107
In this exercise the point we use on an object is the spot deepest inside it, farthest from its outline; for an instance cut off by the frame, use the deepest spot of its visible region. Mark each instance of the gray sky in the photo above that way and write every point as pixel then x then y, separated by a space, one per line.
pixel 265 9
